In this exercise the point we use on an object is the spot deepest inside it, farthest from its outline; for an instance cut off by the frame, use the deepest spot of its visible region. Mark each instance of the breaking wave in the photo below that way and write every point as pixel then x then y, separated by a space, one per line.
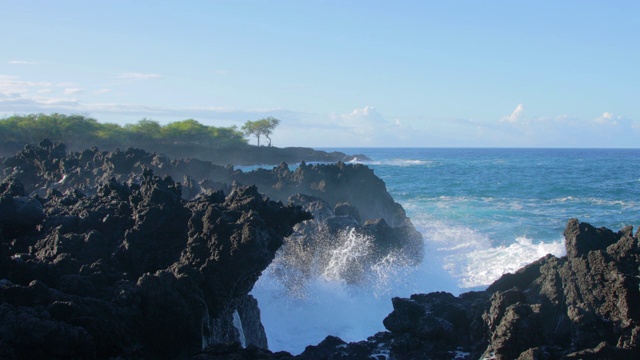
pixel 335 289
pixel 396 162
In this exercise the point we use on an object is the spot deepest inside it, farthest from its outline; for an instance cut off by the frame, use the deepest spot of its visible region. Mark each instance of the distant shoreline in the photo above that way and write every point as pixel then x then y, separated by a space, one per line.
pixel 246 155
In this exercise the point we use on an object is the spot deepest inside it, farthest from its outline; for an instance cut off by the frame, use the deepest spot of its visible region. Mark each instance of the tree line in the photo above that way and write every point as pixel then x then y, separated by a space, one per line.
pixel 82 130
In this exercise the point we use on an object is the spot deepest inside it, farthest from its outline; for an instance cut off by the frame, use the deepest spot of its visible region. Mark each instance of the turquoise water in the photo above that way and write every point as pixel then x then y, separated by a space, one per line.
pixel 504 193
pixel 482 213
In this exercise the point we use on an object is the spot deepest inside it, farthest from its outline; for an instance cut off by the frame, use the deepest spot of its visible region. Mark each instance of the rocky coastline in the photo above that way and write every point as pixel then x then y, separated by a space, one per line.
pixel 239 155
pixel 104 255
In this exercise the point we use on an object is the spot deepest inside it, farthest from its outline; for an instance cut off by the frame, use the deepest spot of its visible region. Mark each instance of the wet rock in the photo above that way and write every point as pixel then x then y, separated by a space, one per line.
pixel 249 314
pixel 580 238
pixel 348 210
pixel 323 350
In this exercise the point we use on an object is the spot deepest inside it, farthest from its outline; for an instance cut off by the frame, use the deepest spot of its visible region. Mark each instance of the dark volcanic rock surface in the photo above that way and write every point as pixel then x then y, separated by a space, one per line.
pixel 134 271
pixel 348 198
pixel 49 166
pixel 104 259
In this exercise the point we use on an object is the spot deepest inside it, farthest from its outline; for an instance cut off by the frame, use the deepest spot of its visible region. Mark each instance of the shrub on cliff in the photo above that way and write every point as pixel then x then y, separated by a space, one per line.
pixel 81 131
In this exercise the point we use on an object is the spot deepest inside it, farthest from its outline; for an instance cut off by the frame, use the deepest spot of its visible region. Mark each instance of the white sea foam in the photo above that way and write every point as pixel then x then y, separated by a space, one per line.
pixel 595 201
pixel 473 261
pixel 483 266
pixel 399 162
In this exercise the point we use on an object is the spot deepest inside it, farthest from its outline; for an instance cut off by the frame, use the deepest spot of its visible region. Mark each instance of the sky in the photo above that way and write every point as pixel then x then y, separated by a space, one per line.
pixel 336 73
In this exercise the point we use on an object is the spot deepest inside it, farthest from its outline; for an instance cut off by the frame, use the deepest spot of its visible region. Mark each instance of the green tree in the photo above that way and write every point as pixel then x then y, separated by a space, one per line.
pixel 227 136
pixel 251 128
pixel 109 134
pixel 186 131
pixel 74 128
pixel 145 130
pixel 260 127
pixel 58 127
pixel 81 131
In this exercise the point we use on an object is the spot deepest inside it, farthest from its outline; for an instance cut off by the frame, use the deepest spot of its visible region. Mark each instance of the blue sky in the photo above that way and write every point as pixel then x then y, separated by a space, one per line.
pixel 337 73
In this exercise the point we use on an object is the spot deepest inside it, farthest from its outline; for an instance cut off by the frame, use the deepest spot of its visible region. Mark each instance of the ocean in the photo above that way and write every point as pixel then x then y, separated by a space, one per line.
pixel 482 213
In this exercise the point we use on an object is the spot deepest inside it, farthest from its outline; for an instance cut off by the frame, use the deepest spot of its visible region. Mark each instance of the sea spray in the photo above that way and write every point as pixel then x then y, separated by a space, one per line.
pixel 347 262
pixel 340 292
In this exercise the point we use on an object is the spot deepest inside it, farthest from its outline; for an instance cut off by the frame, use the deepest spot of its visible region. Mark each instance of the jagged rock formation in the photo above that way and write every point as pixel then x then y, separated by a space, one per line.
pixel 355 184
pixel 588 301
pixel 133 272
pixel 354 201
pixel 49 166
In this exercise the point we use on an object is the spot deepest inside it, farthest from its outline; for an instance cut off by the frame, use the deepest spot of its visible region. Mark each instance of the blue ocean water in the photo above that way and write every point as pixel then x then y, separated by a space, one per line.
pixel 482 213
pixel 504 193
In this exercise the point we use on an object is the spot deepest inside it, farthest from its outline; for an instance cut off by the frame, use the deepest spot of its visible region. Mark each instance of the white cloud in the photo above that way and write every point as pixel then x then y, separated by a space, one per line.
pixel 22 104
pixel 365 121
pixel 72 91
pixel 360 127
pixel 13 85
pixel 366 111
pixel 515 116
pixel 364 117
pixel 101 91
pixel 137 76
pixel 22 62
pixel 49 101
pixel 607 118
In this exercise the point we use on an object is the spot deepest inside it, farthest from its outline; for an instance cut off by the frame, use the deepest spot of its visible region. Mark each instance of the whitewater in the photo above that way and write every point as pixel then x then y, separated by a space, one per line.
pixel 481 212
